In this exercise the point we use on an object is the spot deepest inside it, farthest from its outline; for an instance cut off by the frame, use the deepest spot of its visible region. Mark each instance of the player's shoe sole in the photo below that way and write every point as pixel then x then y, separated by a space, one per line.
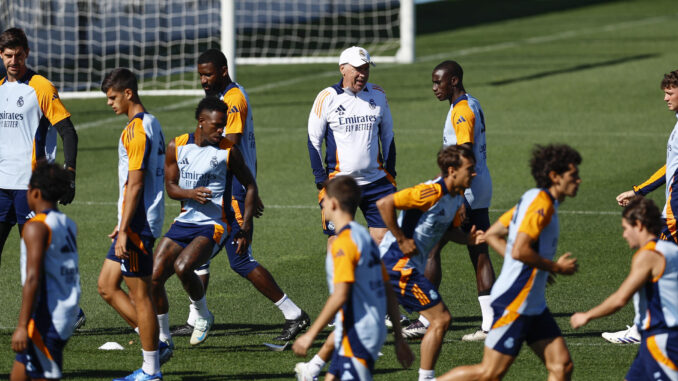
pixel 478 335
pixel 202 329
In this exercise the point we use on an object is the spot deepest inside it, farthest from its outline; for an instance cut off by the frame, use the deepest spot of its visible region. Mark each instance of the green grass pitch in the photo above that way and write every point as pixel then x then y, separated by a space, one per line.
pixel 585 73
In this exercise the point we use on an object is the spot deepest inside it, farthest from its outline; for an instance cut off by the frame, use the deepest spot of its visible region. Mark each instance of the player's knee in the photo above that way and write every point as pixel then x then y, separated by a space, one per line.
pixel 105 290
pixel 441 321
pixel 562 369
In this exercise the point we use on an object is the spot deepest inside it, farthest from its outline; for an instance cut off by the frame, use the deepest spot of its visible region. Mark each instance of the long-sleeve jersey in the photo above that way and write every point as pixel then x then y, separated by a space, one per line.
pixel 354 126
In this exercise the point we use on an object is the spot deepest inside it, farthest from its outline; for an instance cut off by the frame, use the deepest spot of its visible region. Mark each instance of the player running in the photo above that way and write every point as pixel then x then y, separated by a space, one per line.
pixel 653 283
pixel 528 236
pixel 50 278
pixel 199 168
pixel 428 210
pixel 360 293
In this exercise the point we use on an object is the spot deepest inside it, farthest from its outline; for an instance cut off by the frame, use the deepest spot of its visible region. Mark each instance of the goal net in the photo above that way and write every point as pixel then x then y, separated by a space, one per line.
pixel 74 43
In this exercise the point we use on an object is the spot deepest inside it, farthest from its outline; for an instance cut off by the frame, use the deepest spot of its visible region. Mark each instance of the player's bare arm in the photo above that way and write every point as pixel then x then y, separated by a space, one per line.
pixel 387 210
pixel 523 251
pixel 234 138
pixel 644 266
pixel 236 164
pixel 403 351
pixel 495 236
pixel 133 191
pixel 342 292
pixel 199 194
pixel 35 236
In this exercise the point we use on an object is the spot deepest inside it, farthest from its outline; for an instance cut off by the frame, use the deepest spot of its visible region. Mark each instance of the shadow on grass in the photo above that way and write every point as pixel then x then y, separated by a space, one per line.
pixel 94 374
pixel 573 69
pixel 440 16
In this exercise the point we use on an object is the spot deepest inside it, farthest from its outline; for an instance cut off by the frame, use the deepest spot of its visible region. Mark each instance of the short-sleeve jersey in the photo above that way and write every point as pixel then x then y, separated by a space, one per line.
pixel 359 324
pixel 204 167
pixel 427 211
pixel 520 289
pixel 59 294
pixel 354 126
pixel 28 108
pixel 239 121
pixel 465 123
pixel 656 303
pixel 142 147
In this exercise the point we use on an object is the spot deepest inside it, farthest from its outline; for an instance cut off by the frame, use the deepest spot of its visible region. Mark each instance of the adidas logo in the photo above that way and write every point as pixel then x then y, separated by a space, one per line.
pixel 184 161
pixel 461 119
pixel 340 110
pixel 233 110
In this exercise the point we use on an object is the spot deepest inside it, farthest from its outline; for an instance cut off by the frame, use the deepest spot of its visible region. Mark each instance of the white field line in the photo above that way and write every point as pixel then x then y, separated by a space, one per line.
pixel 310 206
pixel 432 57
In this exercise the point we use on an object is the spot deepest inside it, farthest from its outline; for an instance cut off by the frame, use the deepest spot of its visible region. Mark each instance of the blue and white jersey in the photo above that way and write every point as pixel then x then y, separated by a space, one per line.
pixel 519 289
pixel 656 303
pixel 29 108
pixel 204 167
pixel 142 147
pixel 465 123
pixel 427 211
pixel 59 293
pixel 359 329
pixel 240 121
pixel 354 127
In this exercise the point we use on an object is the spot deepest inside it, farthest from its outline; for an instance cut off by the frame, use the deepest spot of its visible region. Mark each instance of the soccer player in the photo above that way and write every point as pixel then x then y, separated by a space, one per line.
pixel 653 283
pixel 354 119
pixel 31 114
pixel 520 311
pixel 359 290
pixel 141 209
pixel 50 278
pixel 664 175
pixel 214 78
pixel 428 210
pixel 198 171
pixel 465 124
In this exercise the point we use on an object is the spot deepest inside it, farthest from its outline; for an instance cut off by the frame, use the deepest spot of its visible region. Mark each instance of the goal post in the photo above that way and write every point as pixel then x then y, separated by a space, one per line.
pixel 74 43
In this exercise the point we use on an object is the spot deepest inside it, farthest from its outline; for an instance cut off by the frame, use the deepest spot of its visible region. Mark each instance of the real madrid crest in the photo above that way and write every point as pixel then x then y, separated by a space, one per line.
pixel 373 104
pixel 214 163
pixel 20 102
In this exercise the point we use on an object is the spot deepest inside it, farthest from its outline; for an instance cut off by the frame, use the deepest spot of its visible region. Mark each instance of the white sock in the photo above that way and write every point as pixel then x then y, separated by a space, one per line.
pixel 288 308
pixel 315 365
pixel 201 307
pixel 163 325
pixel 486 310
pixel 151 362
pixel 136 329
pixel 424 321
pixel 426 375
pixel 192 315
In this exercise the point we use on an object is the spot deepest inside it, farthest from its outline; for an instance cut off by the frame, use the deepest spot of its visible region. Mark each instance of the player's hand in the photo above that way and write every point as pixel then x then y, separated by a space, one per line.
pixel 114 233
pixel 242 239
pixel 19 339
pixel 67 198
pixel 567 265
pixel 258 207
pixel 624 197
pixel 578 320
pixel 475 236
pixel 404 353
pixel 301 344
pixel 408 247
pixel 201 195
pixel 121 246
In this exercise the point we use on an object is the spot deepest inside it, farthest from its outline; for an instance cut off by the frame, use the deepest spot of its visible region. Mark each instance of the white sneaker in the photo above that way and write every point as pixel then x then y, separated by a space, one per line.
pixel 201 329
pixel 303 374
pixel 404 321
pixel 628 336
pixel 416 330
pixel 478 335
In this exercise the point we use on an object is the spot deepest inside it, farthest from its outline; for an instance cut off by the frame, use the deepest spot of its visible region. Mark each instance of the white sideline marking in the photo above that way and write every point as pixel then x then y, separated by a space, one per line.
pixel 274 206
pixel 431 57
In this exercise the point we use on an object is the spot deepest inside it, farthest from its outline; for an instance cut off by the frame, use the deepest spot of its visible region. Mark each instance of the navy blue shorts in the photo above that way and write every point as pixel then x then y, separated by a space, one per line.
pixel 414 291
pixel 43 357
pixel 510 330
pixel 14 207
pixel 371 193
pixel 350 368
pixel 478 217
pixel 140 261
pixel 657 355
pixel 183 233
